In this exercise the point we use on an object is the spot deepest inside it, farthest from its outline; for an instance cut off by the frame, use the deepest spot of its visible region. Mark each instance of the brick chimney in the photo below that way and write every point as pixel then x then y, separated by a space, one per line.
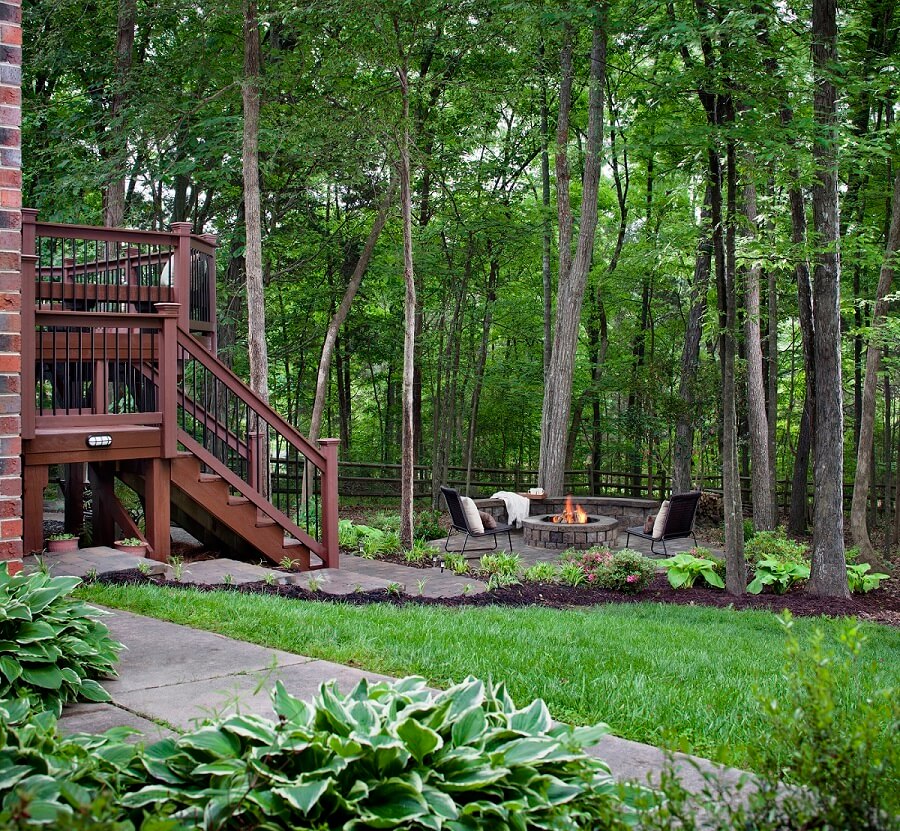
pixel 10 284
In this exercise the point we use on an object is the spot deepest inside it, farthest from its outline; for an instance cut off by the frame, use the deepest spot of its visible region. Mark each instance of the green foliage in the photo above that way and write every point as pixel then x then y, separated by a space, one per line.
pixel 629 571
pixel 386 755
pixel 505 563
pixel 427 525
pixel 348 535
pixel 626 570
pixel 859 581
pixel 499 579
pixel 749 531
pixel 684 569
pixel 381 542
pixel 60 537
pixel 571 573
pixel 455 561
pixel 131 541
pixel 52 647
pixel 832 741
pixel 778 574
pixel 421 552
pixel 385 521
pixel 774 545
pixel 541 573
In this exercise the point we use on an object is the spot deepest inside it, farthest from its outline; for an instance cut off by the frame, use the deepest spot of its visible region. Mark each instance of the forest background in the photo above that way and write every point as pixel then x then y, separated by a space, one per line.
pixel 698 126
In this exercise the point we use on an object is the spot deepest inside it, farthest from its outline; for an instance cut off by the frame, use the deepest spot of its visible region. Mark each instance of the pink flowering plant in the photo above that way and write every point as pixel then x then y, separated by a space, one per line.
pixel 625 570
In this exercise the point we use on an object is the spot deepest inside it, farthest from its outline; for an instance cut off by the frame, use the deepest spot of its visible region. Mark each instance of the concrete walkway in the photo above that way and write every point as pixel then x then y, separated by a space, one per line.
pixel 173 677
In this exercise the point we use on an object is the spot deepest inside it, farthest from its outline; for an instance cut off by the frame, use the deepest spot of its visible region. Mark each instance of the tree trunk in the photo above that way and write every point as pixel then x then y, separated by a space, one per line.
pixel 863 477
pixel 683 451
pixel 828 572
pixel 799 480
pixel 547 225
pixel 762 476
pixel 341 315
pixel 407 456
pixel 490 299
pixel 256 310
pixel 114 193
pixel 572 274
pixel 735 564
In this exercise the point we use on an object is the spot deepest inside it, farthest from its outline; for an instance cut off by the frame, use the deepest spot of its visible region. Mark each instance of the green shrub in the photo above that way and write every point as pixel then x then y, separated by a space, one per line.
pixel 498 579
pixel 427 525
pixel 387 755
pixel 503 562
pixel 749 531
pixel 684 569
pixel 385 521
pixel 841 747
pixel 541 573
pixel 774 545
pixel 859 581
pixel 52 647
pixel 593 562
pixel 629 571
pixel 781 576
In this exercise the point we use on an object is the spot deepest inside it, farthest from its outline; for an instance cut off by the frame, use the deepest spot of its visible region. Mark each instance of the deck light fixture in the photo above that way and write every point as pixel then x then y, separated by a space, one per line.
pixel 99 440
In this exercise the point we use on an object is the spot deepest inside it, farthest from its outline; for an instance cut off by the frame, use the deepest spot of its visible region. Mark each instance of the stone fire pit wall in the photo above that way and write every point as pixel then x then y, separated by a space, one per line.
pixel 543 533
pixel 628 512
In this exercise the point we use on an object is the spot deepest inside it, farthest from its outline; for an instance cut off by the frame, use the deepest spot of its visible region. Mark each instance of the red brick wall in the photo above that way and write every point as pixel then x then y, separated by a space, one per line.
pixel 10 282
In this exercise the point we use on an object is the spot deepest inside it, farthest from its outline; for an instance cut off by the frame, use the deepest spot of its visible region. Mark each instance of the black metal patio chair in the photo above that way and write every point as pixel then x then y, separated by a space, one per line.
pixel 679 522
pixel 459 523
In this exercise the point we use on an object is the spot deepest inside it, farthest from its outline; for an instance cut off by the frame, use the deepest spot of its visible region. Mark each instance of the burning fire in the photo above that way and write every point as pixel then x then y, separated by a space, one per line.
pixel 576 516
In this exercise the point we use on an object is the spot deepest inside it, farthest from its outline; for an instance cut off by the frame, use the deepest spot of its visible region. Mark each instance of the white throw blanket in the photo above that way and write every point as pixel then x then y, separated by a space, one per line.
pixel 517 506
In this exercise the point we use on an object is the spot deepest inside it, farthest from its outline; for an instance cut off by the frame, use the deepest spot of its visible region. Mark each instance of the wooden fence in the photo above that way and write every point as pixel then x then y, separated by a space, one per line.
pixel 375 480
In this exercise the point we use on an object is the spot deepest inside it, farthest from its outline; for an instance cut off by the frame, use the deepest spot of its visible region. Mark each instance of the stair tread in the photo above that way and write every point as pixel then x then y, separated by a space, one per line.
pixel 238 500
pixel 210 477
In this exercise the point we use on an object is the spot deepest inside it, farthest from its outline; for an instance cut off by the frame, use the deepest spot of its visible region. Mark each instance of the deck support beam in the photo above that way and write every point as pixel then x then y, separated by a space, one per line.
pixel 36 478
pixel 158 507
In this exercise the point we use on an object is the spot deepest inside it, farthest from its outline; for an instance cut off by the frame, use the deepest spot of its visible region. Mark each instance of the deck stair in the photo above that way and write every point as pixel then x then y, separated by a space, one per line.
pixel 127 382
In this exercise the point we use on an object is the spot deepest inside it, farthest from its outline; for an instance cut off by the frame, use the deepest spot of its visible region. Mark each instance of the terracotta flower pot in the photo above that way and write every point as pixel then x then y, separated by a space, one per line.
pixel 62 546
pixel 137 550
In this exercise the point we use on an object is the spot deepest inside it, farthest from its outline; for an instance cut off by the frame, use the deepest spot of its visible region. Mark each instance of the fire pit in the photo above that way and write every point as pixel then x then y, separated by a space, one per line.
pixel 573 527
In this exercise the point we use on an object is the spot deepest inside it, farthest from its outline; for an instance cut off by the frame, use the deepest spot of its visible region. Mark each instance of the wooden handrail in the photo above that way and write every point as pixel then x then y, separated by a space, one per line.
pixel 250 398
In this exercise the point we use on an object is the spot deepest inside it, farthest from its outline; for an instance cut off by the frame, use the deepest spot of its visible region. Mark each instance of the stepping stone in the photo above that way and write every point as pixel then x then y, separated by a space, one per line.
pixel 213 572
pixel 339 581
pixel 99 559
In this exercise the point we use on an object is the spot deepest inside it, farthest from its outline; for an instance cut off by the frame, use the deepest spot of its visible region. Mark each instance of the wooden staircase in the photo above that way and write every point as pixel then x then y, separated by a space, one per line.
pixel 118 345
pixel 210 497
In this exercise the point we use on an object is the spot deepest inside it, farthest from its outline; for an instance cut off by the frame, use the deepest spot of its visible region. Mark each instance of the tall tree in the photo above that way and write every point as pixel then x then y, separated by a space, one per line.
pixel 116 147
pixel 863 477
pixel 256 310
pixel 572 273
pixel 407 457
pixel 828 572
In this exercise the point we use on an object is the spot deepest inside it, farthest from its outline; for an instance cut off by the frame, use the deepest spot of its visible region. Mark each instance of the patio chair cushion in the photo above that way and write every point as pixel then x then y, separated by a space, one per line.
pixel 660 523
pixel 470 509
pixel 487 521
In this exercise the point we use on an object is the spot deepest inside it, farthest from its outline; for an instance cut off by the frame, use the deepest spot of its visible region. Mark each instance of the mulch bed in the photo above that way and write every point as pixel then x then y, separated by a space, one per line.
pixel 881 605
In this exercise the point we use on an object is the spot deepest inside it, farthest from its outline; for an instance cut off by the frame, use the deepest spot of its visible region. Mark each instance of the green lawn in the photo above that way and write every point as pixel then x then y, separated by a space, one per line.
pixel 676 676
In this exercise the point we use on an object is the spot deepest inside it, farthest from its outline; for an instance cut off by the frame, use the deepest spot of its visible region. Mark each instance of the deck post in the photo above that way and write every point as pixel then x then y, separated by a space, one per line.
pixel 181 281
pixel 36 478
pixel 158 508
pixel 103 525
pixel 168 378
pixel 329 448
pixel 213 240
pixel 74 497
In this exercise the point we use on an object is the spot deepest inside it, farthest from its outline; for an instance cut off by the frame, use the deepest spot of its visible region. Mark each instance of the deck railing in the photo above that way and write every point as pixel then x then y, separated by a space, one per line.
pixel 262 457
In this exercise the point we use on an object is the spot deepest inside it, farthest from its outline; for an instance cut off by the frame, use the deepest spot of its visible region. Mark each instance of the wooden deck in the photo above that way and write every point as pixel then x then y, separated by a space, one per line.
pixel 118 346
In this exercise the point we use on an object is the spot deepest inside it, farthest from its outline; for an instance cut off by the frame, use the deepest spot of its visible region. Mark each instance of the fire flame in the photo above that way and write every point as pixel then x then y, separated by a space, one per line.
pixel 572 516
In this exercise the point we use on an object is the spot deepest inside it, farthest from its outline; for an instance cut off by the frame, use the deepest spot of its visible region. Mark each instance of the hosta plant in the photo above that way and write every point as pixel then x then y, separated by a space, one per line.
pixel 684 569
pixel 387 755
pixel 859 581
pixel 52 647
pixel 781 576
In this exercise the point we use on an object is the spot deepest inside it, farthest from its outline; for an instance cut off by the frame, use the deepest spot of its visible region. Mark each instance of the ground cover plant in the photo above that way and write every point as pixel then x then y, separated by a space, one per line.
pixel 385 755
pixel 52 646
pixel 677 676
